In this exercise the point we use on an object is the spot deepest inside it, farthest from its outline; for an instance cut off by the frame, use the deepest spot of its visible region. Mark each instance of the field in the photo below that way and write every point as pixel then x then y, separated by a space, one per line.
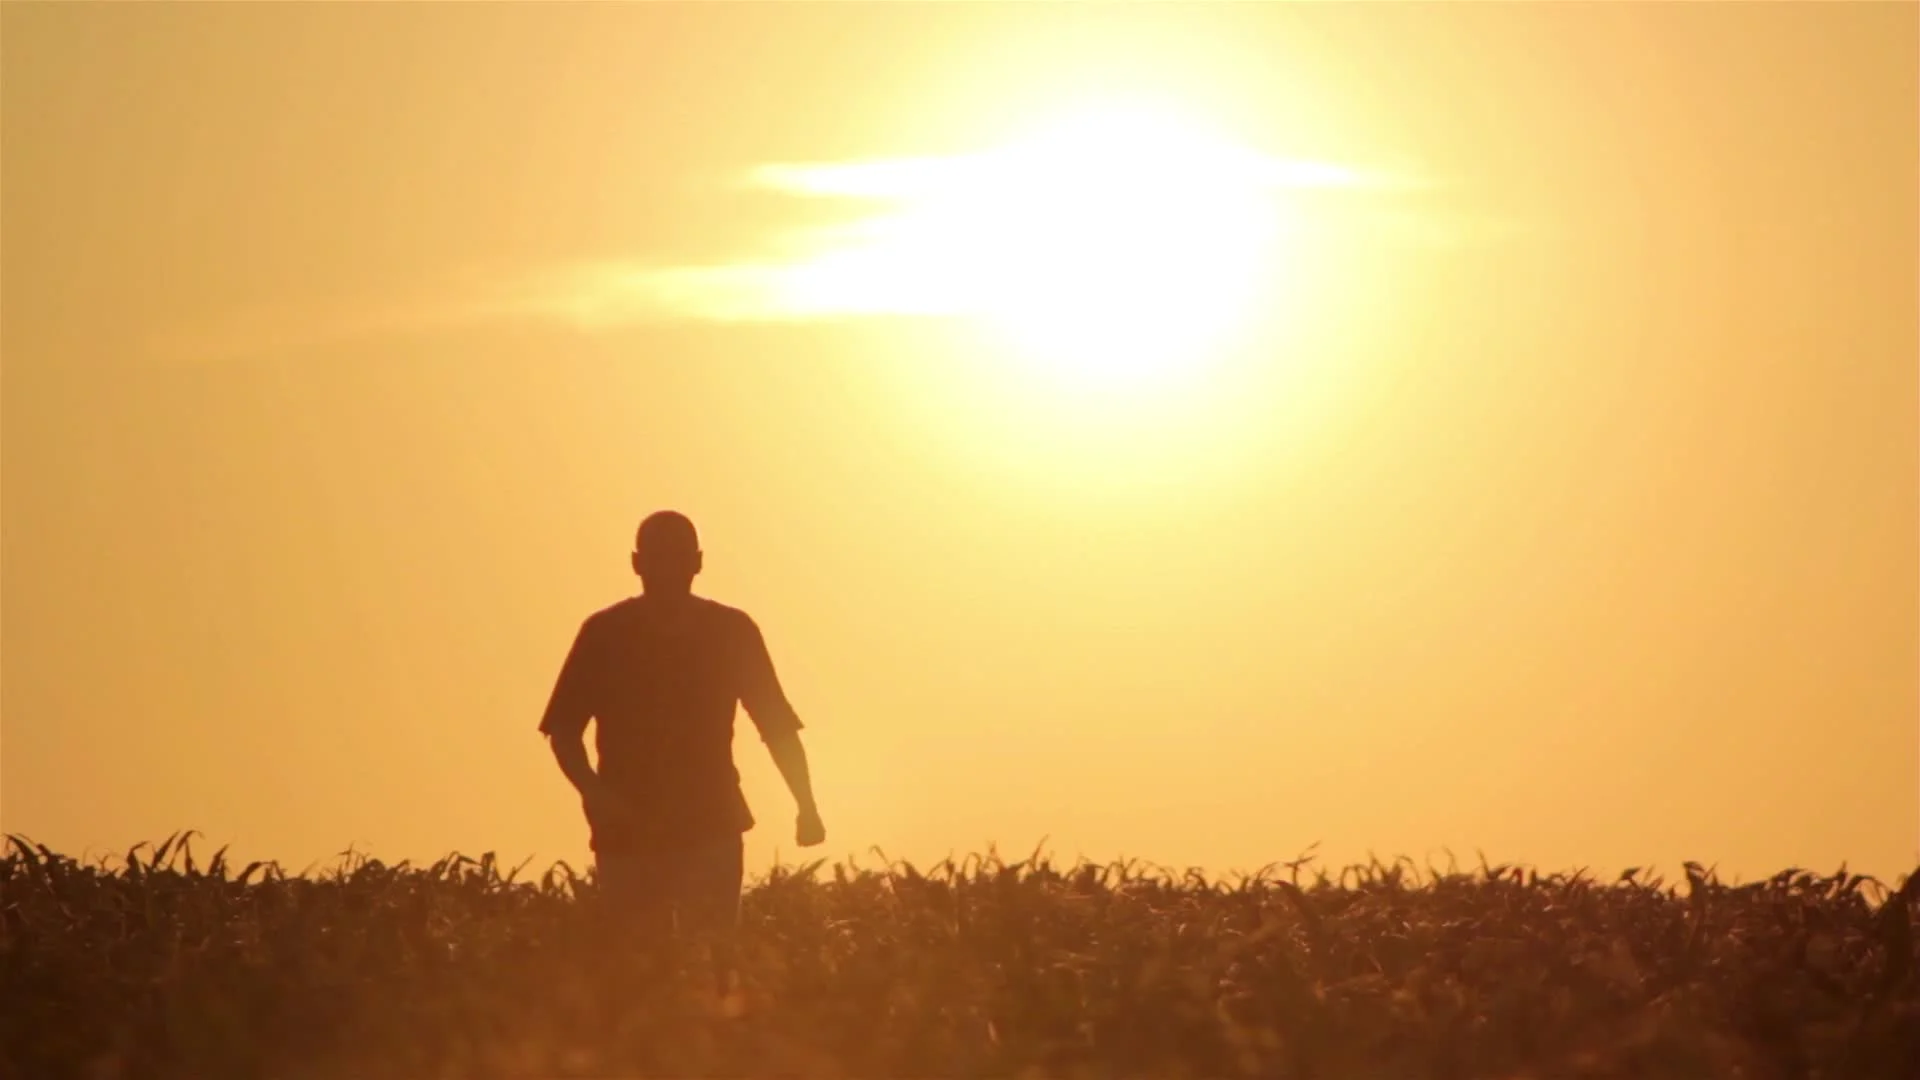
pixel 164 965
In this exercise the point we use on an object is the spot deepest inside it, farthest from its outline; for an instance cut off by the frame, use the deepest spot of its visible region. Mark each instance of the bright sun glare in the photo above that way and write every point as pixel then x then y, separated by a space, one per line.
pixel 1113 247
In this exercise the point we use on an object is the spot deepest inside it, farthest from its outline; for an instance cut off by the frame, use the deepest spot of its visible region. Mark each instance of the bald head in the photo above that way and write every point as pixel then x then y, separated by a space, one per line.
pixel 667 531
pixel 666 552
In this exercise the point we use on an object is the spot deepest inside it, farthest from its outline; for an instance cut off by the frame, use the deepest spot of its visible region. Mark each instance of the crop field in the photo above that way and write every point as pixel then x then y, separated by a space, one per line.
pixel 162 964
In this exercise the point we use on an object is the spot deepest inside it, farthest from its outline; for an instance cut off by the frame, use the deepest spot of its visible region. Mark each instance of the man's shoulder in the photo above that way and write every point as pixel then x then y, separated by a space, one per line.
pixel 611 618
pixel 632 610
pixel 727 617
pixel 722 611
pixel 624 607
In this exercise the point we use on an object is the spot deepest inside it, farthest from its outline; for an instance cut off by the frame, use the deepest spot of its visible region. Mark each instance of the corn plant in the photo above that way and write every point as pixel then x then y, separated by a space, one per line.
pixel 158 964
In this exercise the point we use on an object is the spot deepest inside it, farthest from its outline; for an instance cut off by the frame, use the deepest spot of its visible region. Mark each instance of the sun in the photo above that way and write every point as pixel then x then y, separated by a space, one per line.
pixel 1129 245
pixel 1113 247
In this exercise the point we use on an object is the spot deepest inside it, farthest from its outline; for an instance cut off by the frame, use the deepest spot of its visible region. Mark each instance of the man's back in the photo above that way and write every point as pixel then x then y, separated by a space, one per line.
pixel 660 678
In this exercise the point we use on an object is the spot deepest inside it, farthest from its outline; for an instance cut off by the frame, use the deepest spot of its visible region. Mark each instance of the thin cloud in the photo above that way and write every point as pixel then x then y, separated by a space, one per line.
pixel 888 259
pixel 895 179
pixel 292 328
pixel 858 268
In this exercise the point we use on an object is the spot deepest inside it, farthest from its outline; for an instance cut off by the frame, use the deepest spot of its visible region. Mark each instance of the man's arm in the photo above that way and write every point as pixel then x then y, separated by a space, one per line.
pixel 791 758
pixel 767 706
pixel 571 752
pixel 569 709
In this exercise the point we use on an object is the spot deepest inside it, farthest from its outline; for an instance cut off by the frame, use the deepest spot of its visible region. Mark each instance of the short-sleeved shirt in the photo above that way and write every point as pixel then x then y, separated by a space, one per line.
pixel 661 681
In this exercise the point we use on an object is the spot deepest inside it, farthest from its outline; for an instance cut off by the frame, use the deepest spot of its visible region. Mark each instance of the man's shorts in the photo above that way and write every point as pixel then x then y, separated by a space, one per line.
pixel 692 886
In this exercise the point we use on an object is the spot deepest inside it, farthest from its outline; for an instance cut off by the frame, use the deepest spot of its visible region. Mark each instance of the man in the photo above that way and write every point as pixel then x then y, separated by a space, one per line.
pixel 660 674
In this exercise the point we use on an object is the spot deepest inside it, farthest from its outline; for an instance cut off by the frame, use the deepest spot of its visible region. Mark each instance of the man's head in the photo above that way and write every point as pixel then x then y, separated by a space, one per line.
pixel 666 552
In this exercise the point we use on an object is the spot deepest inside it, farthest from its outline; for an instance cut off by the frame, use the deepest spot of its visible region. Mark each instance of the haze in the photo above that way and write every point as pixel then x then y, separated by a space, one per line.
pixel 1543 482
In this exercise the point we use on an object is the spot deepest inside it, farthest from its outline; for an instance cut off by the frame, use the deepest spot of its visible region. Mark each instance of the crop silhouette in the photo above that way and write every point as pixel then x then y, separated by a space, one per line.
pixel 160 966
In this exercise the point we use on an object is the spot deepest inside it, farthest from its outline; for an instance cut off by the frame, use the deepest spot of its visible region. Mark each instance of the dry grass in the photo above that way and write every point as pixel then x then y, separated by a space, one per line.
pixel 162 966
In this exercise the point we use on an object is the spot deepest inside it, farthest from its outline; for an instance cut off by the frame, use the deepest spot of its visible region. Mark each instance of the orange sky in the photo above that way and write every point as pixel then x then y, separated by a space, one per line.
pixel 1562 504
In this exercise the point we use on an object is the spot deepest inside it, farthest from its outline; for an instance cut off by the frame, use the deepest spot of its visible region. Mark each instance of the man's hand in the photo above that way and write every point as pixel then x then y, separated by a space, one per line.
pixel 601 803
pixel 791 757
pixel 605 806
pixel 811 831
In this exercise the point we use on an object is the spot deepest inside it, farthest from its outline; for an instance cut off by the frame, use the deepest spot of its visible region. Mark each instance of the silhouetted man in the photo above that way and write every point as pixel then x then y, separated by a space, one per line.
pixel 660 674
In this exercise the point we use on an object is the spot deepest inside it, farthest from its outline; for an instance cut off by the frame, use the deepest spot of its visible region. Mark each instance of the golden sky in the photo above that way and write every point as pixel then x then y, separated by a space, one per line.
pixel 1177 432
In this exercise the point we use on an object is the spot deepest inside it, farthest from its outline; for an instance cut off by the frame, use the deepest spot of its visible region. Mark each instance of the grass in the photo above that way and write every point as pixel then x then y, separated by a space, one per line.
pixel 161 966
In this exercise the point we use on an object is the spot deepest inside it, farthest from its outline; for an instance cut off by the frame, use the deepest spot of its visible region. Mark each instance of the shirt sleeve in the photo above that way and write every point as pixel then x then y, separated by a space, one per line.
pixel 766 703
pixel 574 696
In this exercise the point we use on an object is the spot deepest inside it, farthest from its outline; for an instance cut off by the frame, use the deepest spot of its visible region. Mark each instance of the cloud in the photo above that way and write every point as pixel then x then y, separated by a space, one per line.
pixel 926 220
pixel 896 179
pixel 924 238
pixel 293 327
